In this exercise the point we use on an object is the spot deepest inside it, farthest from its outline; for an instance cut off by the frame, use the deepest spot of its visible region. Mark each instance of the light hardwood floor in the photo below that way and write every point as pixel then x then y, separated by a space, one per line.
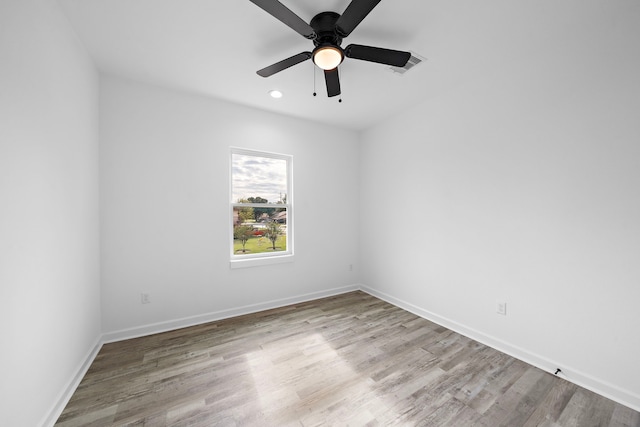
pixel 350 360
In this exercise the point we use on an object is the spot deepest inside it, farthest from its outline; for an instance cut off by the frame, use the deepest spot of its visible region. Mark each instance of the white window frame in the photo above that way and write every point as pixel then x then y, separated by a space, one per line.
pixel 265 258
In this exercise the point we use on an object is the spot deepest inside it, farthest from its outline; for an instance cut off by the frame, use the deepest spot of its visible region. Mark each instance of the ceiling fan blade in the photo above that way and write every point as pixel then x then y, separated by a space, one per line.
pixel 286 16
pixel 284 64
pixel 397 58
pixel 333 82
pixel 353 15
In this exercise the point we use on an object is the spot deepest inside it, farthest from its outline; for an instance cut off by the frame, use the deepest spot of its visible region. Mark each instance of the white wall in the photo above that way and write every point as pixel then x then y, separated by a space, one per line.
pixel 522 186
pixel 49 273
pixel 164 163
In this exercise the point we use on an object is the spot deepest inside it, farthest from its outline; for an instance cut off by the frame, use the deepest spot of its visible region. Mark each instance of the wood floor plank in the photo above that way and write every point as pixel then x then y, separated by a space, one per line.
pixel 351 360
pixel 548 411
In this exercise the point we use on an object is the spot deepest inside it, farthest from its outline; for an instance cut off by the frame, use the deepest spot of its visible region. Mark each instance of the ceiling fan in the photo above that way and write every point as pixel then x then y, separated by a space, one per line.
pixel 327 29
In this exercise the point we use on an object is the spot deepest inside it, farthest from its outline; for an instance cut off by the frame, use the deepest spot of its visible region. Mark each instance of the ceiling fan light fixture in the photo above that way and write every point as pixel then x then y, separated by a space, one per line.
pixel 275 94
pixel 328 57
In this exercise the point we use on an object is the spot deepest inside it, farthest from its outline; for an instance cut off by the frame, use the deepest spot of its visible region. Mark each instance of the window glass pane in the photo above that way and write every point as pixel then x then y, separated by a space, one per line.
pixel 258 179
pixel 259 230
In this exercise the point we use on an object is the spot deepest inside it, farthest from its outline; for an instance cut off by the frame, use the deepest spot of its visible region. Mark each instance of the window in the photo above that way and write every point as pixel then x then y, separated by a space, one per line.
pixel 261 208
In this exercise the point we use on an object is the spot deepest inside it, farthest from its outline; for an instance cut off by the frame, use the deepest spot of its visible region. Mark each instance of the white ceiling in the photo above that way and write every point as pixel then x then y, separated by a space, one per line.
pixel 215 47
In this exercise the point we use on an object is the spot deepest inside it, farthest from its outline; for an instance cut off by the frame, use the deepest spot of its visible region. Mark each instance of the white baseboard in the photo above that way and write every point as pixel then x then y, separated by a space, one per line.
pixel 185 322
pixel 53 414
pixel 603 388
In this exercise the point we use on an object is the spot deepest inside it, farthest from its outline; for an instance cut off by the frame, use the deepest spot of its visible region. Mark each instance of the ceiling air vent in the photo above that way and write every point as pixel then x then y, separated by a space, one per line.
pixel 412 62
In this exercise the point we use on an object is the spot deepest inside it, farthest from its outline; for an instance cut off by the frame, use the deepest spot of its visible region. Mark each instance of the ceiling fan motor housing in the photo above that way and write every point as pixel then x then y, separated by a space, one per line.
pixel 324 25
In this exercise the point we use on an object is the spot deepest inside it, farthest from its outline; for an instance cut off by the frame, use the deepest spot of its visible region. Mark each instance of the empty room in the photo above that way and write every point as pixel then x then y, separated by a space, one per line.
pixel 314 213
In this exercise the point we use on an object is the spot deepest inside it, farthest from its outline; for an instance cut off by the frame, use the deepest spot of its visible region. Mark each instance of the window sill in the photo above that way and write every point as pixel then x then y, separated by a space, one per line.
pixel 256 262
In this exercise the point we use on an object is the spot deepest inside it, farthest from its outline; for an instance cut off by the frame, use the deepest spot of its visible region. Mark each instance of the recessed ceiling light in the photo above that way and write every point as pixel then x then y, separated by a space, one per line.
pixel 275 94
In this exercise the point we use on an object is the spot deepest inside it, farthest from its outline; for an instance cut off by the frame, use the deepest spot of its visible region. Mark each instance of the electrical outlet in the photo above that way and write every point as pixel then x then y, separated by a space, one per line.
pixel 145 299
pixel 350 267
pixel 501 308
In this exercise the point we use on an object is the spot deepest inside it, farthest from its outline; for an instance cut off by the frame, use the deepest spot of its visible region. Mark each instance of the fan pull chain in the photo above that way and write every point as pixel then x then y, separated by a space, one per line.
pixel 314 79
pixel 340 99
